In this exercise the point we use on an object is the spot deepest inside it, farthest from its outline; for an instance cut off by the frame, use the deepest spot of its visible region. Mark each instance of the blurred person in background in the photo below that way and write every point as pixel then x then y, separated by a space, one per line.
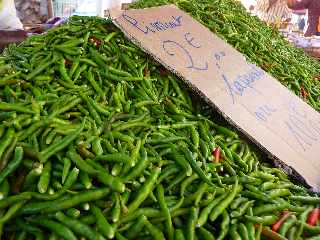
pixel 313 7
pixel 273 12
pixel 11 28
pixel 8 15
pixel 302 24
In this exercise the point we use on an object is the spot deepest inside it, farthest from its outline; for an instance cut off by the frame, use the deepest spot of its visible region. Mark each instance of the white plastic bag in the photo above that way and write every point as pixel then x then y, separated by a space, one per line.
pixel 8 16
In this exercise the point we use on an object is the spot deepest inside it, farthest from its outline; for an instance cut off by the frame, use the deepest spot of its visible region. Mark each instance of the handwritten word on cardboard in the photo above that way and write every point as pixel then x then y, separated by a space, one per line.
pixel 257 104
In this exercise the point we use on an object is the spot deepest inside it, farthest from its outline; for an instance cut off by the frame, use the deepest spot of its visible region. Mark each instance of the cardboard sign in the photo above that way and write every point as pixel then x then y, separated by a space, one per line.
pixel 257 104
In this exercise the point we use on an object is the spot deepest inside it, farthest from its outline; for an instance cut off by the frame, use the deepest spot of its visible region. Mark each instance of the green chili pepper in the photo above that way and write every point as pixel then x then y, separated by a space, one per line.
pixel 205 234
pixel 265 220
pixel 242 209
pixel 77 226
pixel 165 210
pixel 191 224
pixel 287 225
pixel 178 235
pixel 144 191
pixel 270 208
pixel 306 199
pixel 11 211
pixel 137 227
pixel 45 178
pixel 64 202
pixel 233 233
pixel 195 166
pixel 224 225
pixel 6 141
pixel 58 228
pixel 103 225
pixel 73 212
pixel 204 214
pixel 243 231
pixel 225 202
pixel 12 165
pixel 48 152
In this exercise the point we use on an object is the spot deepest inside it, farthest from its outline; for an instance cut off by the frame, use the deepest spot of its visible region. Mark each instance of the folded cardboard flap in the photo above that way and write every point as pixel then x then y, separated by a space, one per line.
pixel 250 99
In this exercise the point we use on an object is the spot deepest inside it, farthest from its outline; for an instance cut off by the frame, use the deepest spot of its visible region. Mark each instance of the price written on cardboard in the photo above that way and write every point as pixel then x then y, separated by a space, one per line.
pixel 257 104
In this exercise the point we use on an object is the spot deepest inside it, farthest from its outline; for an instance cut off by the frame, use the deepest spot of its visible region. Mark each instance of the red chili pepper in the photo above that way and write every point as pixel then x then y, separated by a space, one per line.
pixel 67 62
pixel 95 41
pixel 270 235
pixel 277 225
pixel 216 153
pixel 317 77
pixel 313 217
pixel 265 66
pixel 304 93
pixel 164 72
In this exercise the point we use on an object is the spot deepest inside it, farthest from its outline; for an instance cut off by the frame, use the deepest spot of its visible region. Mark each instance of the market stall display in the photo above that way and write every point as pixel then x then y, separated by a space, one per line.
pixel 261 45
pixel 98 140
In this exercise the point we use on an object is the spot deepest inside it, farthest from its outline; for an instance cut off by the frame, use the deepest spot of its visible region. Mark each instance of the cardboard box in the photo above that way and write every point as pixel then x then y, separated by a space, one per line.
pixel 275 119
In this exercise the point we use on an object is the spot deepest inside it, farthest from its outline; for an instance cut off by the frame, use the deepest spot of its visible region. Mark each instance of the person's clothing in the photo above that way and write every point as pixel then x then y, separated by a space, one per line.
pixel 272 14
pixel 8 16
pixel 302 24
pixel 313 7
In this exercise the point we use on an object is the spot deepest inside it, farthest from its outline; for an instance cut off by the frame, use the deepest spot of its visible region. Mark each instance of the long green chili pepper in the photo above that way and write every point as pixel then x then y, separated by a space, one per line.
pixel 165 210
pixel 144 190
pixel 225 202
pixel 195 166
pixel 13 165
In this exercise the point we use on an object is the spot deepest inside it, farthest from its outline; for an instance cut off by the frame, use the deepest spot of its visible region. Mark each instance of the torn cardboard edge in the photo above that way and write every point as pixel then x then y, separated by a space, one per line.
pixel 114 14
pixel 290 171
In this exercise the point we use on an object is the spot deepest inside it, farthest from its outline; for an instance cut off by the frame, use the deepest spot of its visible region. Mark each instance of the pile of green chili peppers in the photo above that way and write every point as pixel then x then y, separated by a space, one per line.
pixel 99 141
pixel 261 44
